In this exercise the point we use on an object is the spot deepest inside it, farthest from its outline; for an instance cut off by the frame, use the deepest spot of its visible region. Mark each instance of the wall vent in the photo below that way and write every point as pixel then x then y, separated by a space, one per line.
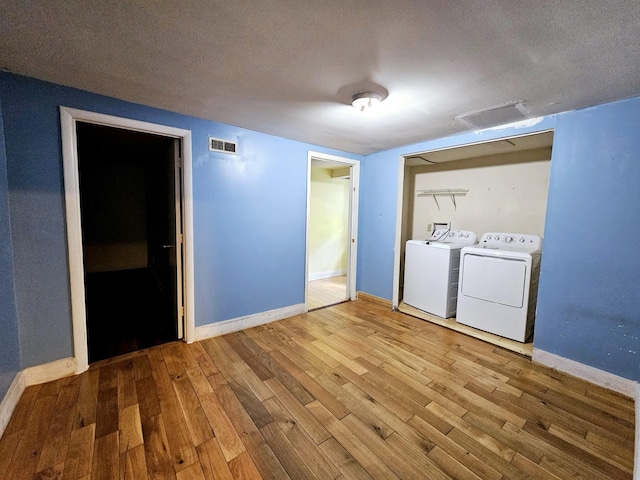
pixel 224 146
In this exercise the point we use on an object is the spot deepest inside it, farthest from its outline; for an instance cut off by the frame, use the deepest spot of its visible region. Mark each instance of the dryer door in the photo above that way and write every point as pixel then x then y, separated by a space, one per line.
pixel 497 280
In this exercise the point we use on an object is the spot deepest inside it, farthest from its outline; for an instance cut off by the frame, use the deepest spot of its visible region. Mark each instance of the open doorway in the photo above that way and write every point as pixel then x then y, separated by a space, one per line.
pixel 331 230
pixel 129 218
pixel 175 146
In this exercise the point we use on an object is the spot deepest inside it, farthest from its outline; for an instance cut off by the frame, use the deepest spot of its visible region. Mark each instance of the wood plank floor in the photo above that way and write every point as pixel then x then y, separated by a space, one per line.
pixel 327 291
pixel 353 391
pixel 519 347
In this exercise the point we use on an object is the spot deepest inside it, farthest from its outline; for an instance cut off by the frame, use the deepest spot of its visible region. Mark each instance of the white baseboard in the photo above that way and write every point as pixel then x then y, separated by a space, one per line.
pixel 50 371
pixel 241 323
pixel 321 275
pixel 32 376
pixel 10 400
pixel 594 375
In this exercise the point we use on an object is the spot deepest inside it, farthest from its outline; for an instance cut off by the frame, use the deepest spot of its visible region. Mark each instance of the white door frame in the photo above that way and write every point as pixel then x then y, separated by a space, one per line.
pixel 68 119
pixel 397 244
pixel 352 253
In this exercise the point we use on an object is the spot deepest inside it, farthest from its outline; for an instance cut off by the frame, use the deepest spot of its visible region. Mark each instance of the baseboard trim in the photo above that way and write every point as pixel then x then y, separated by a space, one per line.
pixel 594 375
pixel 367 297
pixel 10 400
pixel 236 324
pixel 323 275
pixel 50 371
pixel 32 376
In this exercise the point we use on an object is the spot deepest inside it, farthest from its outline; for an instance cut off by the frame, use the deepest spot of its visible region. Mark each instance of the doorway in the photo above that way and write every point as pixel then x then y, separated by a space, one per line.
pixel 132 251
pixel 129 228
pixel 331 230
pixel 497 185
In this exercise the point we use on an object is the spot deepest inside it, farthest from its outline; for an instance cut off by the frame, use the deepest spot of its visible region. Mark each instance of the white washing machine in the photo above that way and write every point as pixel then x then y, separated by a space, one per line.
pixel 431 271
pixel 498 286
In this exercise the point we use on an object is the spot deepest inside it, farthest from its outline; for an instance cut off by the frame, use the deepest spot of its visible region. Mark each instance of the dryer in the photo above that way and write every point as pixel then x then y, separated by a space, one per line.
pixel 431 271
pixel 498 286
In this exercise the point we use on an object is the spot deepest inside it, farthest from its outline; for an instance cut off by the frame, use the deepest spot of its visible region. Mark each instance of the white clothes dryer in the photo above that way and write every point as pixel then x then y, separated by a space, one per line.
pixel 431 271
pixel 498 286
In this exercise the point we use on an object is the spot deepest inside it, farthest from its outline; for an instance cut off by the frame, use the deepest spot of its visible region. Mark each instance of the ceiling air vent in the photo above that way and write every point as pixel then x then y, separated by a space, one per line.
pixel 224 146
pixel 504 114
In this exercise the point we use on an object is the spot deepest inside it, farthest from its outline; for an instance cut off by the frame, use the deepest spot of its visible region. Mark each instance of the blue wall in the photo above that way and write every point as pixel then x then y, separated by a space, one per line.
pixel 589 300
pixel 9 340
pixel 249 214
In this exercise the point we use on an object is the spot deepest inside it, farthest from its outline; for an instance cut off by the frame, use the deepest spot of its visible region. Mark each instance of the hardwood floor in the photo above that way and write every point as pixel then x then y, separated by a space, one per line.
pixel 353 391
pixel 519 347
pixel 327 291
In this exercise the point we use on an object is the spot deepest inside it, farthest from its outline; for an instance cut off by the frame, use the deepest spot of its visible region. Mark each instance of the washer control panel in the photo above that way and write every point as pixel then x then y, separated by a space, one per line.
pixel 447 235
pixel 511 240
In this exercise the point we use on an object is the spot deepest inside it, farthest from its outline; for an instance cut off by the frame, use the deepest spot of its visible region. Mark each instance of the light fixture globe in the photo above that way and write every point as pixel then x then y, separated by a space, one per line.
pixel 364 101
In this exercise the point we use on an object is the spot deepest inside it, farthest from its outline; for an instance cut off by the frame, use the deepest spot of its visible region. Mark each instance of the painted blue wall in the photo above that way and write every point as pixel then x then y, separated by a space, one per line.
pixel 249 214
pixel 9 340
pixel 589 300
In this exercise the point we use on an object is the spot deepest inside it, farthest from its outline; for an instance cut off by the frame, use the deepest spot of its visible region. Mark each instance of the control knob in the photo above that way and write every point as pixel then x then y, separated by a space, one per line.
pixel 508 239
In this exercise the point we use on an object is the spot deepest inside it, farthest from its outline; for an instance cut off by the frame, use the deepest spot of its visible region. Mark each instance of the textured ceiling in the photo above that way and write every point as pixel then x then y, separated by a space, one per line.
pixel 289 67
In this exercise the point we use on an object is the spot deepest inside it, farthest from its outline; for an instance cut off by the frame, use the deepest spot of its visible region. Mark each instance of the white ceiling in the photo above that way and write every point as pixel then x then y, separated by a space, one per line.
pixel 289 67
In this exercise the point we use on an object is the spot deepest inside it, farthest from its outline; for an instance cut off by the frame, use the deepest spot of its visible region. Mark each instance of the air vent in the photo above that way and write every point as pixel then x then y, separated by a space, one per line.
pixel 494 116
pixel 224 146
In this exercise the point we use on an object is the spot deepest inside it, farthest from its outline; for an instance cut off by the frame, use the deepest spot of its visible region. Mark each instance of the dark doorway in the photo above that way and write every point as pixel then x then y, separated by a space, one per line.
pixel 128 210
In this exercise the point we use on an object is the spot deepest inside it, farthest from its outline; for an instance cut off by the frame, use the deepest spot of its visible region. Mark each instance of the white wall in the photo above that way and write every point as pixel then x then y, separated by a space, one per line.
pixel 506 193
pixel 328 227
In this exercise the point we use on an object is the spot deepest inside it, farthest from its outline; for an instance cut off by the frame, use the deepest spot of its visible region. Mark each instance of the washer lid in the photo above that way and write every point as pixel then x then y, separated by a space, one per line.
pixel 448 246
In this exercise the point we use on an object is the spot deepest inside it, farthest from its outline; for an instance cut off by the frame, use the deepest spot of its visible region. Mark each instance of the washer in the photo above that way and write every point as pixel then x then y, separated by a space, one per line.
pixel 498 285
pixel 431 271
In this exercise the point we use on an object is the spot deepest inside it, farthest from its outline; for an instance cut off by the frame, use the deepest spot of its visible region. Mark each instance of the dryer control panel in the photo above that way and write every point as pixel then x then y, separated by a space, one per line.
pixel 511 240
pixel 447 235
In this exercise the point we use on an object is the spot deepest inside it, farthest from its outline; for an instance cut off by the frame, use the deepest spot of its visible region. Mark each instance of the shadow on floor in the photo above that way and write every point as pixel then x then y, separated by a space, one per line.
pixel 127 311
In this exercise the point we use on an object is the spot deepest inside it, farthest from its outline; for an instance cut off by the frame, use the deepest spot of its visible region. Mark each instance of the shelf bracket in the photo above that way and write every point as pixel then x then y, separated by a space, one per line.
pixel 448 192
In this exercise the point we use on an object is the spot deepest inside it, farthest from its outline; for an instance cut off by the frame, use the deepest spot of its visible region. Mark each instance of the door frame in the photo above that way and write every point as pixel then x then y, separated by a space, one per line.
pixel 68 120
pixel 352 251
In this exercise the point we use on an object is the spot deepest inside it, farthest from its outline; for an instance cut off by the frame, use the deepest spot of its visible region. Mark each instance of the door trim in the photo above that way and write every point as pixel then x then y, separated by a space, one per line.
pixel 68 119
pixel 352 254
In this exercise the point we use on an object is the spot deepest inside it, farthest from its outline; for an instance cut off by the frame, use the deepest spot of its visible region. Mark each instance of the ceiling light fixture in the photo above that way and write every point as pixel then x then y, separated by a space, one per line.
pixel 365 101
